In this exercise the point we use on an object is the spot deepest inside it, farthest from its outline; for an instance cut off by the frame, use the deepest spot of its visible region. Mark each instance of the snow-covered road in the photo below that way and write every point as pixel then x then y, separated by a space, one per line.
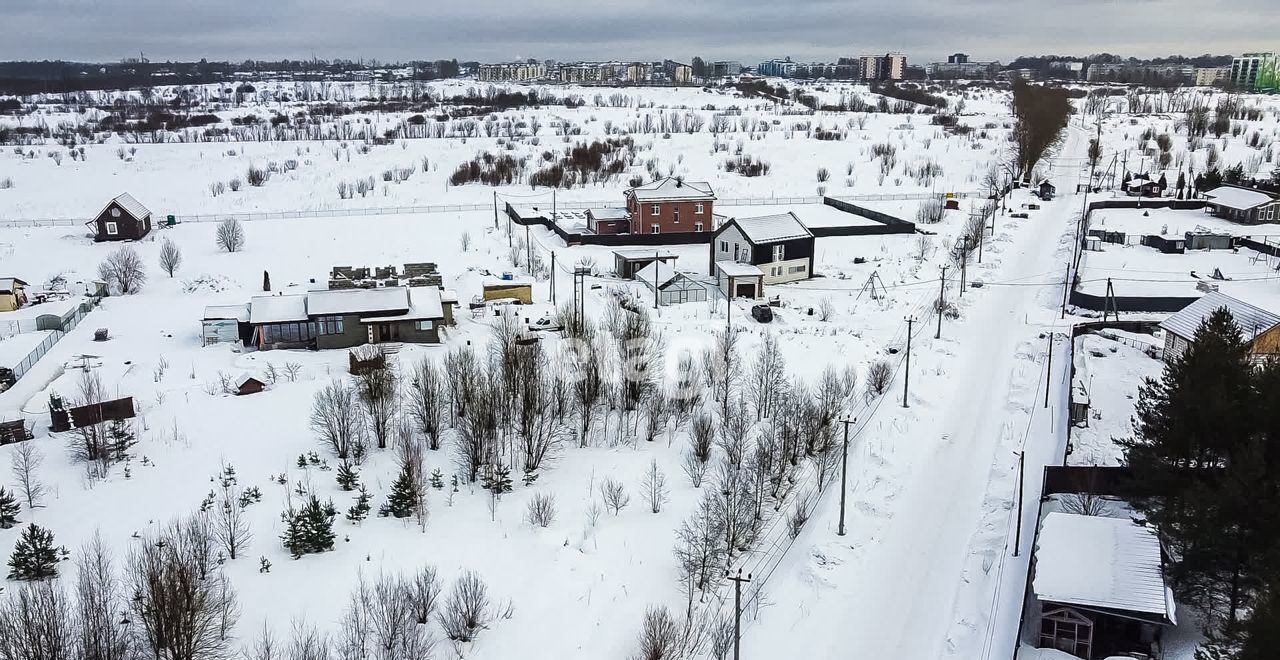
pixel 932 485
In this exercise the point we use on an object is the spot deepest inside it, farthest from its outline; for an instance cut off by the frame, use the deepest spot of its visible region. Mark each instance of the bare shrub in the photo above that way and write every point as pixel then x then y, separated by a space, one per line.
pixel 824 175
pixel 659 637
pixel 654 486
pixel 541 511
pixel 931 210
pixel 878 376
pixel 614 495
pixel 170 256
pixel 122 270
pixel 466 612
pixel 336 419
pixel 230 235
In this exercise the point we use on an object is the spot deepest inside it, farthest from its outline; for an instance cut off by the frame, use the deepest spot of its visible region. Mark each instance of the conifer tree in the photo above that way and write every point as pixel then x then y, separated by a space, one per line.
pixel 360 510
pixel 309 529
pixel 9 509
pixel 404 495
pixel 34 556
pixel 348 478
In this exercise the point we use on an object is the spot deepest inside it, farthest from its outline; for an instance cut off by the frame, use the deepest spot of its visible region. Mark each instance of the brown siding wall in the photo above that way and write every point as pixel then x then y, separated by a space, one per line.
pixel 128 227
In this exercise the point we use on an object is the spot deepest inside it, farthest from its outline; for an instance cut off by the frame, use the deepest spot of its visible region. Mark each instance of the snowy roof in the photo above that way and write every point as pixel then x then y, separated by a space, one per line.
pixel 1252 320
pixel 609 214
pixel 673 189
pixel 425 303
pixel 1098 562
pixel 1237 198
pixel 6 283
pixel 358 301
pixel 222 312
pixel 662 271
pixel 772 228
pixel 449 296
pixel 735 269
pixel 245 377
pixel 133 206
pixel 277 309
pixel 642 253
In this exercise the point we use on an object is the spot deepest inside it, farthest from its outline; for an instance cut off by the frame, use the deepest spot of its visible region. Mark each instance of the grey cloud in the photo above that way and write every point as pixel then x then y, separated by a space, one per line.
pixel 748 30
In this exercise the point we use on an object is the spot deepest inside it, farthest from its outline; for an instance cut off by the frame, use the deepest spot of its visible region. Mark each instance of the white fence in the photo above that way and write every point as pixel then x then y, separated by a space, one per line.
pixel 446 208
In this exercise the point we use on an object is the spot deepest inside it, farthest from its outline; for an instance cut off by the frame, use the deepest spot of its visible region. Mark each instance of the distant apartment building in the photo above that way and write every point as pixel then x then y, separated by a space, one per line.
pixel 891 66
pixel 1128 72
pixel 592 72
pixel 1212 75
pixel 1255 72
pixel 830 70
pixel 779 68
pixel 1066 68
pixel 512 72
pixel 640 71
pixel 723 68
pixel 680 74
pixel 958 58
pixel 962 70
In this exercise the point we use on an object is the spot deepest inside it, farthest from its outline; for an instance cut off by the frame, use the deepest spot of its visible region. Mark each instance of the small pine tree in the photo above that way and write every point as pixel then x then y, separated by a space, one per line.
pixel 437 479
pixel 34 556
pixel 403 496
pixel 120 438
pixel 266 281
pixel 348 478
pixel 360 510
pixel 9 509
pixel 500 481
pixel 302 461
pixel 309 529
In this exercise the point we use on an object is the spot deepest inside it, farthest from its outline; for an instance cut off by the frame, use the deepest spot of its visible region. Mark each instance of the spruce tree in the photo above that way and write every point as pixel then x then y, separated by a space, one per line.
pixel 437 479
pixel 404 495
pixel 9 509
pixel 360 510
pixel 309 529
pixel 348 478
pixel 500 482
pixel 120 439
pixel 34 556
pixel 1262 633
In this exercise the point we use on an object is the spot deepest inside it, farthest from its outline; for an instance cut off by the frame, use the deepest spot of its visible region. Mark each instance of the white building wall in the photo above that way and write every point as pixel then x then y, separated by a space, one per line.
pixel 787 270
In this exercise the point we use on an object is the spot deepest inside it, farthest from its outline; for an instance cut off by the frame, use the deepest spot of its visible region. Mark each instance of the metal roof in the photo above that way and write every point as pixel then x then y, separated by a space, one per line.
pixel 133 206
pixel 665 273
pixel 226 312
pixel 1252 320
pixel 277 309
pixel 772 228
pixel 609 213
pixel 1099 562
pixel 358 301
pixel 736 269
pixel 1238 198
pixel 671 189
pixel 425 303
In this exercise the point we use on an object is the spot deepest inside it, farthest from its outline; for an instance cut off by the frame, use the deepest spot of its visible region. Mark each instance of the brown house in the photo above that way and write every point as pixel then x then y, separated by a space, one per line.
pixel 246 384
pixel 671 206
pixel 123 219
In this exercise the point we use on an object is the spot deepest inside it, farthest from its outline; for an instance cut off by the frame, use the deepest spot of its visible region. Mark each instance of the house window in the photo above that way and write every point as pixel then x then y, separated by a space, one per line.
pixel 425 325
pixel 697 208
pixel 112 229
pixel 653 229
pixel 676 216
pixel 655 210
pixel 697 226
pixel 796 269
pixel 115 213
pixel 735 251
pixel 778 252
pixel 724 246
pixel 329 325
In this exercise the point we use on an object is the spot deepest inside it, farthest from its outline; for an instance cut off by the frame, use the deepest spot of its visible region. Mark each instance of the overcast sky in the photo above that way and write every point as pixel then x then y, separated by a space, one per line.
pixel 746 30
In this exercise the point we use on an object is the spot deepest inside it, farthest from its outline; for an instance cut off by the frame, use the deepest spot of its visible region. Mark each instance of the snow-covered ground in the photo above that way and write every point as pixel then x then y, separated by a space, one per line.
pixel 1111 371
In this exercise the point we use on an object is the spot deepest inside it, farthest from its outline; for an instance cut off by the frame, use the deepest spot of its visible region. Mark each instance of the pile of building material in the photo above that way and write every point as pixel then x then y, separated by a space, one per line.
pixel 413 274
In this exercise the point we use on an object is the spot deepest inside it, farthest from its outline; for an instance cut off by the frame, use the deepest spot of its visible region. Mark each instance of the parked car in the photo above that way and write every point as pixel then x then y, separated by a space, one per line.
pixel 547 323
pixel 762 313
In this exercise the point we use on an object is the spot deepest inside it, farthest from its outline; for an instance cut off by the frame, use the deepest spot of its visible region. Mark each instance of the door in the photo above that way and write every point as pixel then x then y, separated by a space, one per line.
pixel 744 290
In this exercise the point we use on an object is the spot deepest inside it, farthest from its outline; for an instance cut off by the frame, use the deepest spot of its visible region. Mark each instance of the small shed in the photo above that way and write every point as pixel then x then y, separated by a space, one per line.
pixel 608 221
pixel 1101 587
pixel 13 294
pixel 739 280
pixel 627 262
pixel 1207 240
pixel 667 285
pixel 225 324
pixel 123 219
pixel 504 289
pixel 247 384
pixel 1047 190
pixel 13 431
pixel 1170 245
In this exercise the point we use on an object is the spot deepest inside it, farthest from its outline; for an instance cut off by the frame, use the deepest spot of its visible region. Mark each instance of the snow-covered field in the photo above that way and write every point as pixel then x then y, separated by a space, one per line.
pixel 1111 371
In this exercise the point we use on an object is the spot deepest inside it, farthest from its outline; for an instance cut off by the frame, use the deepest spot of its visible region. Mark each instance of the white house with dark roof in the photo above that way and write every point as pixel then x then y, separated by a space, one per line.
pixel 1244 205
pixel 779 245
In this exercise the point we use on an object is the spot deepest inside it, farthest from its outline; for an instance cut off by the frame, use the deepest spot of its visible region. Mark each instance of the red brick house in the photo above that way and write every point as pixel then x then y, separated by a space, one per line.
pixel 671 206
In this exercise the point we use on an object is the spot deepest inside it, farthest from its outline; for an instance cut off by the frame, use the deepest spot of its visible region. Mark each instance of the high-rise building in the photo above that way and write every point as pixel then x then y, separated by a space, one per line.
pixel 958 58
pixel 783 68
pixel 891 66
pixel 1255 72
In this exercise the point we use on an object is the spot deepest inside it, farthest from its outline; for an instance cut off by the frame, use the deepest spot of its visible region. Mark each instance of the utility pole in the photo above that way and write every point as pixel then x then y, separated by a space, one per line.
pixel 906 383
pixel 528 246
pixel 844 470
pixel 964 262
pixel 1048 376
pixel 553 279
pixel 1022 464
pixel 737 609
pixel 495 209
pixel 656 264
pixel 942 295
pixel 1066 288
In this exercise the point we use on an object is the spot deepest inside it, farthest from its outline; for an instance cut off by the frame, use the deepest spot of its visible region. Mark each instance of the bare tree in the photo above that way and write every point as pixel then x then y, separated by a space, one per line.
pixel 924 247
pixel 722 365
pixel 478 432
pixel 425 593
pixel 541 510
pixel 170 256
pixel 24 462
pixel 381 622
pixel 230 235
pixel 878 377
pixel 426 401
pixel 100 605
pixel 37 623
pixel 654 486
pixel 336 418
pixel 122 270
pixel 695 468
pixel 614 495
pixel 230 525
pixel 379 395
pixel 181 609
pixel 466 612
pixel 660 636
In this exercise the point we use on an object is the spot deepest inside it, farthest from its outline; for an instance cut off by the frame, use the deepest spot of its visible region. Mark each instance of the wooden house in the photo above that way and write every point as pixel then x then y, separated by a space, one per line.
pixel 1047 190
pixel 1244 205
pixel 247 384
pixel 123 219
pixel 1260 327
pixel 13 294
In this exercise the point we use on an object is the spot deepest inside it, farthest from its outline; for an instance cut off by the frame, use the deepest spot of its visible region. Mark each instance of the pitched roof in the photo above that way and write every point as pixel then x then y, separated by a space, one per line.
pixel 608 213
pixel 772 228
pixel 277 309
pixel 133 206
pixel 1097 562
pixel 425 303
pixel 6 283
pixel 1252 320
pixel 358 301
pixel 736 269
pixel 673 189
pixel 245 377
pixel 644 253
pixel 663 271
pixel 1238 198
